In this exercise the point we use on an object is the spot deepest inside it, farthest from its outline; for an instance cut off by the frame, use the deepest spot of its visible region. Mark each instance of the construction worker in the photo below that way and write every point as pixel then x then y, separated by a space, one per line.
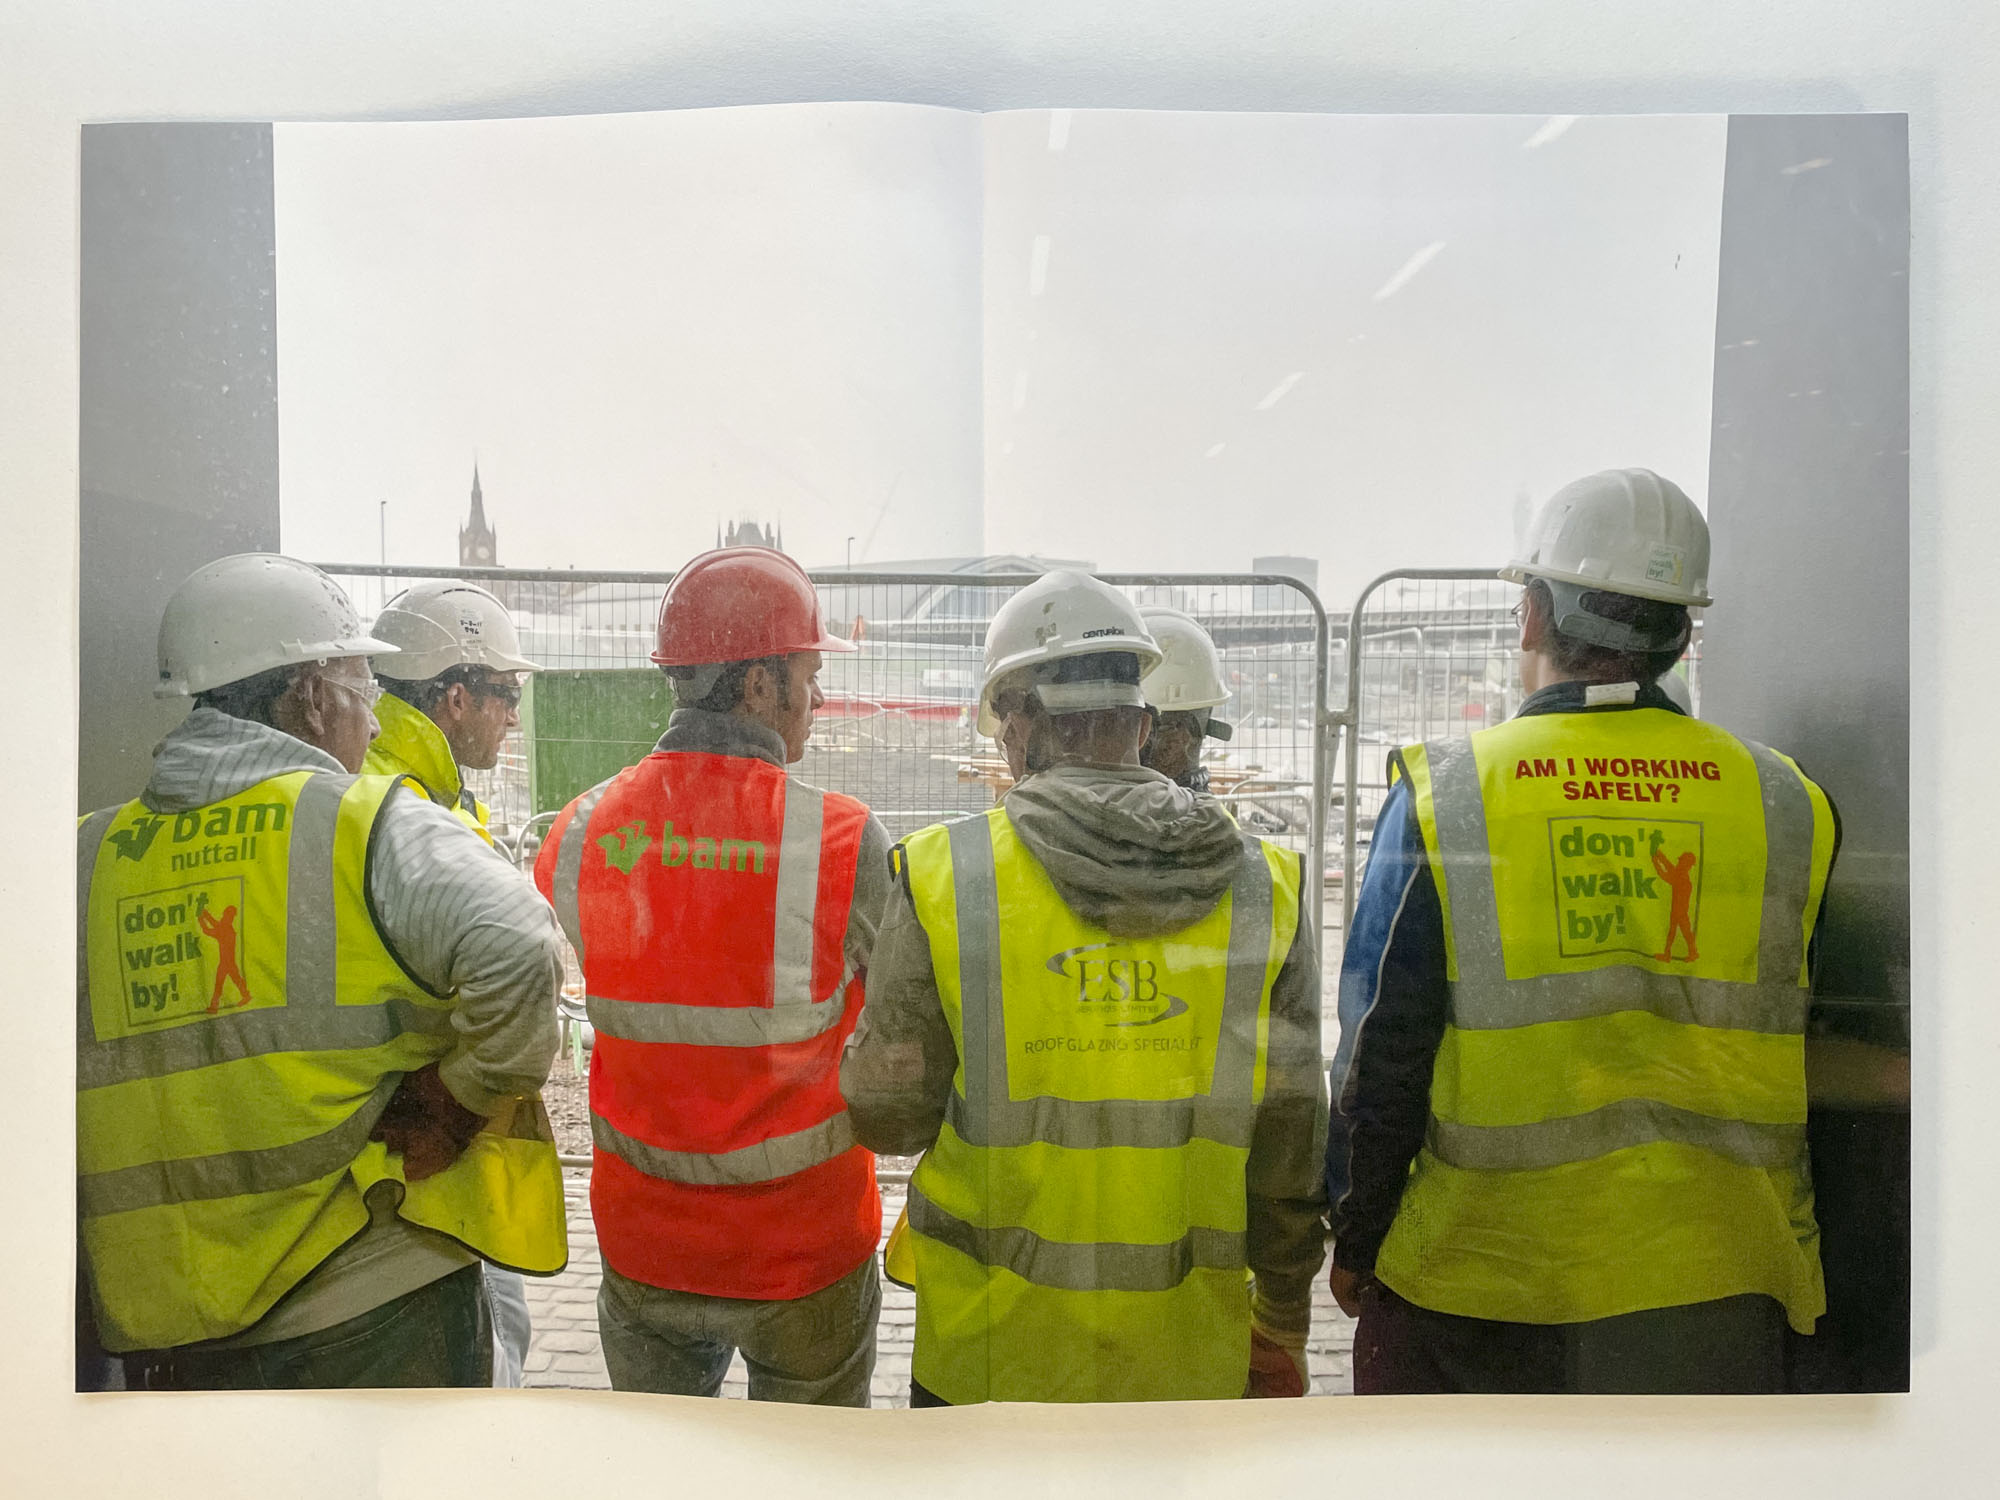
pixel 313 1015
pixel 1095 1009
pixel 1182 691
pixel 450 694
pixel 724 913
pixel 1569 1151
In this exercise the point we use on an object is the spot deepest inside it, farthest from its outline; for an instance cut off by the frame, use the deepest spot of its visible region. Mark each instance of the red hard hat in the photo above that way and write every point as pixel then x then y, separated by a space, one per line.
pixel 739 603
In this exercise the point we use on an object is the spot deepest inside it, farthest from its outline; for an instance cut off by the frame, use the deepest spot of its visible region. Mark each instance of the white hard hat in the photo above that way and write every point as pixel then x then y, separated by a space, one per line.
pixel 241 615
pixel 1189 675
pixel 1059 616
pixel 1625 531
pixel 438 626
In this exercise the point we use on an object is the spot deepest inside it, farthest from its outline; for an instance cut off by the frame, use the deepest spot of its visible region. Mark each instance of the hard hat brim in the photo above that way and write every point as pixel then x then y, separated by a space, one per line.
pixel 1521 573
pixel 827 642
pixel 297 654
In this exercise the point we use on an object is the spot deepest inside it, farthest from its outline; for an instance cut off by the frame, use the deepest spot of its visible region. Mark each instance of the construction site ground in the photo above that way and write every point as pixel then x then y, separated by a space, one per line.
pixel 565 1352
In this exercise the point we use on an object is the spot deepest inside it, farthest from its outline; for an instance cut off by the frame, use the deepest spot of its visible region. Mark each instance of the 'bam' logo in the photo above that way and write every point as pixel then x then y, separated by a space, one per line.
pixel 1627 885
pixel 624 849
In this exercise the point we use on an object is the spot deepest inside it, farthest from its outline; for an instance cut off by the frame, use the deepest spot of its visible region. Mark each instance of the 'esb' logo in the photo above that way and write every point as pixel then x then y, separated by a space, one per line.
pixel 1116 990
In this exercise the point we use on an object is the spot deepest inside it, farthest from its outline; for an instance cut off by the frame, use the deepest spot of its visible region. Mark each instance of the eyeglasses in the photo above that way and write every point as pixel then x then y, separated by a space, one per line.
pixel 1519 609
pixel 369 692
pixel 508 693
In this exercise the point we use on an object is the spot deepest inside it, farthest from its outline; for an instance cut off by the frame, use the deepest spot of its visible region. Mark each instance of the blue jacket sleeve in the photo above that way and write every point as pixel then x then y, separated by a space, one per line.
pixel 1393 1005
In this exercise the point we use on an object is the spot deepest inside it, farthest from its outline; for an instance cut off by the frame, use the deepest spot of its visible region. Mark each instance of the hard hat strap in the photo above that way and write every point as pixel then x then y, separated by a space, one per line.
pixel 1578 623
pixel 692 684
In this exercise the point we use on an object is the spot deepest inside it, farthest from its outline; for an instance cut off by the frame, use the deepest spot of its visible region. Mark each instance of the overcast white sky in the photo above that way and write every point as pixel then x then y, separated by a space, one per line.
pixel 1159 341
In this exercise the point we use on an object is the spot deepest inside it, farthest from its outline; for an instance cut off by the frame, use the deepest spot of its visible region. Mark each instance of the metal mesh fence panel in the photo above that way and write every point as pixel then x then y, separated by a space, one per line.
pixel 899 729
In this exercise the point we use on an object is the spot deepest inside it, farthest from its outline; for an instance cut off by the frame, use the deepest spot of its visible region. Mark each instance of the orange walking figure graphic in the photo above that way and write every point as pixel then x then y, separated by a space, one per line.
pixel 1680 880
pixel 223 930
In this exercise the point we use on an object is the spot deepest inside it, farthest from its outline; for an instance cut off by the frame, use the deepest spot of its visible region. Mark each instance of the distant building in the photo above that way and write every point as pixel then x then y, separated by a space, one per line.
pixel 1304 569
pixel 478 547
pixel 750 534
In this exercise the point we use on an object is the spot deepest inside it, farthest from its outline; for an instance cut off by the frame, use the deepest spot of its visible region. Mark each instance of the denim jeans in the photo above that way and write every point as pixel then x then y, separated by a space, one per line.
pixel 438 1335
pixel 507 1301
pixel 816 1350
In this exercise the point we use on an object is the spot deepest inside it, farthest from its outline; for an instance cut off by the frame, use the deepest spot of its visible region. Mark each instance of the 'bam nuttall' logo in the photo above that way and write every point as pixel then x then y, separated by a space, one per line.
pixel 624 849
pixel 1116 990
pixel 180 952
pixel 1627 885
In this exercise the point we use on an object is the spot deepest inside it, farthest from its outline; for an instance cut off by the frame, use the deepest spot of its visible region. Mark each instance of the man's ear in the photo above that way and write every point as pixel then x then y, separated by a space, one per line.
pixel 1535 622
pixel 760 686
pixel 455 705
pixel 305 704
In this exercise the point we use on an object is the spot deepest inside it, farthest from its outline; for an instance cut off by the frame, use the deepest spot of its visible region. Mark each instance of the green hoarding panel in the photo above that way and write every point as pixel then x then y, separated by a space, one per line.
pixel 584 726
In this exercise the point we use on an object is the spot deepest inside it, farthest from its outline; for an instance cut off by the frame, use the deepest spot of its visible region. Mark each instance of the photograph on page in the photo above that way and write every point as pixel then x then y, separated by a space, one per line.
pixel 874 755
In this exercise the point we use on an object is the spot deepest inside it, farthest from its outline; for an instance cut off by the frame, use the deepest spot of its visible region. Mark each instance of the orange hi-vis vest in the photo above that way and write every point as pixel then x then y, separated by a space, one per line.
pixel 707 898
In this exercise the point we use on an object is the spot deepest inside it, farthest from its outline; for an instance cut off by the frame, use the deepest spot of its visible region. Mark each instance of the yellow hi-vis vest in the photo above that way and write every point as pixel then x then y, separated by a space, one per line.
pixel 240 1025
pixel 1079 1224
pixel 412 745
pixel 1618 1107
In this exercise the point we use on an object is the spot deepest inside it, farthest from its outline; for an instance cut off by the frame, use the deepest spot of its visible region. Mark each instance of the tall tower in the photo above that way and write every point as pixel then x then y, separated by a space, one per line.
pixel 751 534
pixel 477 546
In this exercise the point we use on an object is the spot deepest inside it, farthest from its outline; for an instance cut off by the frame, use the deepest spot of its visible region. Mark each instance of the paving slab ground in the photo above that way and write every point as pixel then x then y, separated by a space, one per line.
pixel 564 1353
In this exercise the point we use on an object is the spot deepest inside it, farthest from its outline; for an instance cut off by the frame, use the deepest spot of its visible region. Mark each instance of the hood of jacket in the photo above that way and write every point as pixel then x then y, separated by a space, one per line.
pixel 1127 849
pixel 211 755
pixel 411 744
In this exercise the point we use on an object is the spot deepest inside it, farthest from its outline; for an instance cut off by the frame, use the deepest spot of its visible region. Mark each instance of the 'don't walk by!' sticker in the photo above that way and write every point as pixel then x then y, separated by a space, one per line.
pixel 180 952
pixel 1627 885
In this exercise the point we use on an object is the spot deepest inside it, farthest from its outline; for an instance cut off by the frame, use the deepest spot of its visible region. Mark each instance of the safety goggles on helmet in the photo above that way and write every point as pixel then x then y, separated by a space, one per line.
pixel 507 692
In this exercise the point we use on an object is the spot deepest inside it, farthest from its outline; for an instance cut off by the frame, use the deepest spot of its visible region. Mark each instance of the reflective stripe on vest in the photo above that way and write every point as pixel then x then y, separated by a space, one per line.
pixel 764 1161
pixel 1484 998
pixel 1095 1267
pixel 228 1174
pixel 569 865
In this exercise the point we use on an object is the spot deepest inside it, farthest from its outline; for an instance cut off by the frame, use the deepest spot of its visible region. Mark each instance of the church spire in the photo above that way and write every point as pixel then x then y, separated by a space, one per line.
pixel 478 545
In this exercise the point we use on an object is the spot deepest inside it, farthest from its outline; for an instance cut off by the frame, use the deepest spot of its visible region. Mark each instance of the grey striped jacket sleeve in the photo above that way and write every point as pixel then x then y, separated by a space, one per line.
pixel 464 921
